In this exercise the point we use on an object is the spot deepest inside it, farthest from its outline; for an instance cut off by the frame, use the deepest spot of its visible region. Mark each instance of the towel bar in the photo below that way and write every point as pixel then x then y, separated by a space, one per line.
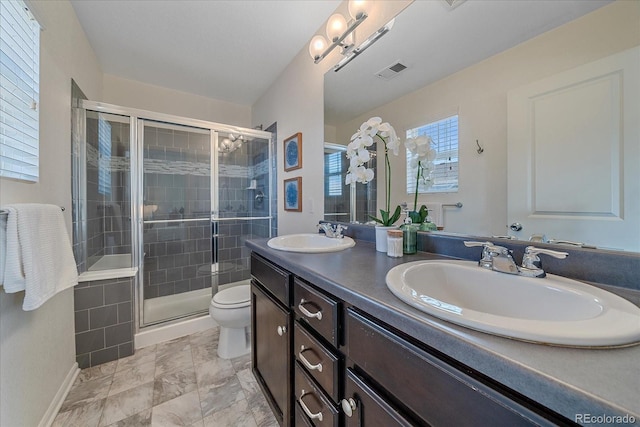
pixel 4 212
pixel 453 205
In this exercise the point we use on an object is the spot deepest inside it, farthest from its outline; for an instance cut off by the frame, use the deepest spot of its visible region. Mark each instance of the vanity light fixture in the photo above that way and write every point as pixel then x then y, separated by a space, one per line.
pixel 364 46
pixel 339 31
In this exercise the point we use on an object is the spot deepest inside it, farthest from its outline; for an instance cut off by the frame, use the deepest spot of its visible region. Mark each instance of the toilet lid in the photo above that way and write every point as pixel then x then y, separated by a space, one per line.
pixel 233 295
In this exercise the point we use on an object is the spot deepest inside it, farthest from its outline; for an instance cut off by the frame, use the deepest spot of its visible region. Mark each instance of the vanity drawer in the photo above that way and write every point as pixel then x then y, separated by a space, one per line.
pixel 301 419
pixel 272 277
pixel 368 408
pixel 436 392
pixel 316 407
pixel 318 361
pixel 316 309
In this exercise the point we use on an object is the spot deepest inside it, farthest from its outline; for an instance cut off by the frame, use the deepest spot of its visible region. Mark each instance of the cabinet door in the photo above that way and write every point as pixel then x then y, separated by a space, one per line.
pixel 271 350
pixel 364 407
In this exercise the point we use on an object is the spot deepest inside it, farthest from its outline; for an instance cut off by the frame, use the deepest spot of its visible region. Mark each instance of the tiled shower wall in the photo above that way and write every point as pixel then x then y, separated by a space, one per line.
pixel 177 185
pixel 103 321
pixel 236 199
pixel 108 228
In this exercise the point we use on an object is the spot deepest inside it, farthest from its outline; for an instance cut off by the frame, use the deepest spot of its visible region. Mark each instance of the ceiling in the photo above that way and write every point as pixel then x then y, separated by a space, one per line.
pixel 226 50
pixel 434 40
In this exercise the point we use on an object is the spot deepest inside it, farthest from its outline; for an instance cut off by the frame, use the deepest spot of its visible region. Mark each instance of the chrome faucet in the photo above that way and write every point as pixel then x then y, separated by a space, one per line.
pixel 531 264
pixel 499 258
pixel 332 231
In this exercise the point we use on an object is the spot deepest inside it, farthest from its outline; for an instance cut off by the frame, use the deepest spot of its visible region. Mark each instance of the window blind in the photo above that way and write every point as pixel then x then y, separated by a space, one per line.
pixel 19 91
pixel 444 134
pixel 333 172
pixel 104 156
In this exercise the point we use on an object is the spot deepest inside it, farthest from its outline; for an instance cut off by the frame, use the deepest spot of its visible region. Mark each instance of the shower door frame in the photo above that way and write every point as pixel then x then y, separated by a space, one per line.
pixel 137 118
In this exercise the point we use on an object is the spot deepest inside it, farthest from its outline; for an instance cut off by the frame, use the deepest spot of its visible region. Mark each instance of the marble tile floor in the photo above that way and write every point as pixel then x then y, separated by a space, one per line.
pixel 181 382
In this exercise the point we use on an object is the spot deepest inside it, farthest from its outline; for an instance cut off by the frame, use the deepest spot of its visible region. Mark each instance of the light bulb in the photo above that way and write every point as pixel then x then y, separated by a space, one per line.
pixel 336 26
pixel 317 46
pixel 358 8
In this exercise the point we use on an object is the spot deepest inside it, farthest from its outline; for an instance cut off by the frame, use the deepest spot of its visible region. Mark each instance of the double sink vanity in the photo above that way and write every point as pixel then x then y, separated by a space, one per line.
pixel 344 335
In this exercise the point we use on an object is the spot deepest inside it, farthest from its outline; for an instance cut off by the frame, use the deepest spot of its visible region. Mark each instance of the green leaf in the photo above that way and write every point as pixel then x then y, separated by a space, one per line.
pixel 375 219
pixel 385 217
pixel 415 217
pixel 395 217
pixel 424 212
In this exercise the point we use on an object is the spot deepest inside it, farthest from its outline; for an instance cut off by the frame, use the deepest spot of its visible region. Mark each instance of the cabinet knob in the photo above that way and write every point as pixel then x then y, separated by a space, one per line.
pixel 348 406
pixel 282 330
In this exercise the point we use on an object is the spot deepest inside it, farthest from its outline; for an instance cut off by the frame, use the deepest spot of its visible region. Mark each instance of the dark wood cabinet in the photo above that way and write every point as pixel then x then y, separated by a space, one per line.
pixel 323 362
pixel 272 338
pixel 363 406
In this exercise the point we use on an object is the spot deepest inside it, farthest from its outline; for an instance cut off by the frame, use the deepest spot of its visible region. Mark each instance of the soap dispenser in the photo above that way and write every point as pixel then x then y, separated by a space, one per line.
pixel 409 235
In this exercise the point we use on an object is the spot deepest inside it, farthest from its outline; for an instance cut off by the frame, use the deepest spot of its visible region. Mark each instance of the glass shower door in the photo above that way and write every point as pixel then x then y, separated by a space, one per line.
pixel 242 206
pixel 176 218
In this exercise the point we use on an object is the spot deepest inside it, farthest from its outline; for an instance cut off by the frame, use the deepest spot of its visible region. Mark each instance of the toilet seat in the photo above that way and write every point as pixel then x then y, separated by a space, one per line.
pixel 234 297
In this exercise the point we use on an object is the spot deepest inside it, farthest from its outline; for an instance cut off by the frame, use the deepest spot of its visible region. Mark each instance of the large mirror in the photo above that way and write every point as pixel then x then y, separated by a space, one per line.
pixel 476 60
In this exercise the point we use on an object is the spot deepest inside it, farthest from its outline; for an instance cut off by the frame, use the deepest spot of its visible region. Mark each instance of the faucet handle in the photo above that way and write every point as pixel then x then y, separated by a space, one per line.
pixel 472 244
pixel 531 259
pixel 532 250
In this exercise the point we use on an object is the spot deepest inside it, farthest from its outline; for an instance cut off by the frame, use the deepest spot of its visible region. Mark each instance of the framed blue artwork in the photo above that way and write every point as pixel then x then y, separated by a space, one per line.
pixel 293 194
pixel 293 152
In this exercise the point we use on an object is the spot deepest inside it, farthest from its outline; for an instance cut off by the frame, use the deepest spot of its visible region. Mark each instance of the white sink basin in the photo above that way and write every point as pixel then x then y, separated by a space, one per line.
pixel 310 243
pixel 553 310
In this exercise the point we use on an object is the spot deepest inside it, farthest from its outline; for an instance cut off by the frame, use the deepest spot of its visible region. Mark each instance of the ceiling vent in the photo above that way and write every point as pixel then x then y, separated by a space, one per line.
pixel 387 73
pixel 452 4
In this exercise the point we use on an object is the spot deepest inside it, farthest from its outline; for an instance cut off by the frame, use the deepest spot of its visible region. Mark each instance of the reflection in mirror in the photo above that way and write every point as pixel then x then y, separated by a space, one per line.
pixel 469 61
pixel 345 203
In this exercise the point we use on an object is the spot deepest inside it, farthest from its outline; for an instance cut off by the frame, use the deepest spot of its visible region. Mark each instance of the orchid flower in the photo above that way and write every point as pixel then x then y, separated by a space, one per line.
pixel 358 154
pixel 422 157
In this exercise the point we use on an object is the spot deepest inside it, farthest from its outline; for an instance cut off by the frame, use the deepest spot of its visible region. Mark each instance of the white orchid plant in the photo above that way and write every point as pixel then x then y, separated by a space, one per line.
pixel 422 157
pixel 358 154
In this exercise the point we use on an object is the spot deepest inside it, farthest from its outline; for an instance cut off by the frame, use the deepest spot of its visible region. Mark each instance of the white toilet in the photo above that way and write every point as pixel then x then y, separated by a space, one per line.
pixel 231 309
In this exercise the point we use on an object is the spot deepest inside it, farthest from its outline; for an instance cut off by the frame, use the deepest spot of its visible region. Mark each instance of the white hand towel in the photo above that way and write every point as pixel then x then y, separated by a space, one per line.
pixel 39 257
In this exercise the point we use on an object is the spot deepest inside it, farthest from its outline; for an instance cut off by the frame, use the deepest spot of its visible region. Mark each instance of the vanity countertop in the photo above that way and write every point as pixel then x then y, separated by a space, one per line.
pixel 570 381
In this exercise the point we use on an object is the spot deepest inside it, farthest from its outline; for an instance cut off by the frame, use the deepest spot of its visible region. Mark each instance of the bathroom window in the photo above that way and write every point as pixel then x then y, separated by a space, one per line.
pixel 19 88
pixel 333 164
pixel 104 157
pixel 444 176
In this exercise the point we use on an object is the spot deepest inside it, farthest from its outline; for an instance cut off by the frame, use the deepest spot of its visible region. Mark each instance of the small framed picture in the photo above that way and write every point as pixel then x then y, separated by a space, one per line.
pixel 293 152
pixel 293 194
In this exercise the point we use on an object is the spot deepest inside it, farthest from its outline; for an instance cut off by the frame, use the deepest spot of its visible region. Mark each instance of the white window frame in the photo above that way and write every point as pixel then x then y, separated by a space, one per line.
pixel 445 176
pixel 19 88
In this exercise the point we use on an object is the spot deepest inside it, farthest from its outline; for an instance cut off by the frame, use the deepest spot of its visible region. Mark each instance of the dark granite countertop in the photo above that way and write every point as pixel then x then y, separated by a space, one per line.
pixel 569 381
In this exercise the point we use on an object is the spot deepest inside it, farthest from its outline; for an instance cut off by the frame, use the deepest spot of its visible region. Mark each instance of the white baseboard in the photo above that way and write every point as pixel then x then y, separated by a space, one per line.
pixel 159 334
pixel 58 400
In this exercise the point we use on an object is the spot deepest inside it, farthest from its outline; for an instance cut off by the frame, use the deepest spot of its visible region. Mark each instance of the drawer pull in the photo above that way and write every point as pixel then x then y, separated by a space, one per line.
pixel 282 330
pixel 306 363
pixel 306 410
pixel 348 406
pixel 317 314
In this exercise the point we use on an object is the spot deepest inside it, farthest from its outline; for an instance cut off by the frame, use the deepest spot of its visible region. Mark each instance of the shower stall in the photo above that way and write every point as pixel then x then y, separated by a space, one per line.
pixel 169 202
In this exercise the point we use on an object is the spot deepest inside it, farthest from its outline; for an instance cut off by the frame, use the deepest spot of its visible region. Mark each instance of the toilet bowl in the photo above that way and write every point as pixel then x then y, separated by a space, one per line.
pixel 230 308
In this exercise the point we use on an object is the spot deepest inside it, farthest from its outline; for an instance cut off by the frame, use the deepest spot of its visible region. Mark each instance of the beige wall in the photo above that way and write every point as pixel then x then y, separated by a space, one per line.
pixel 295 101
pixel 37 348
pixel 479 95
pixel 134 94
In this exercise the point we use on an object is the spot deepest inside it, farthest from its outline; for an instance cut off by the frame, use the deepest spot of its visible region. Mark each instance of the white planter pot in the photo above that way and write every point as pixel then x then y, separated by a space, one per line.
pixel 381 237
